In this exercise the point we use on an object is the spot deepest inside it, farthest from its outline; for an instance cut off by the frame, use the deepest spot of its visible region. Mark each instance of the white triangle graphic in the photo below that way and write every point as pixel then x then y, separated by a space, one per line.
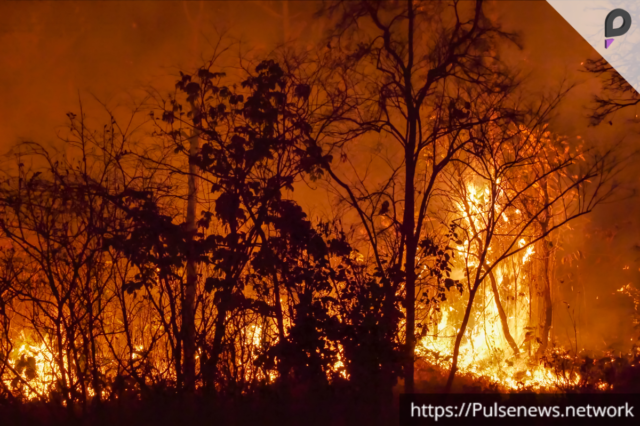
pixel 588 19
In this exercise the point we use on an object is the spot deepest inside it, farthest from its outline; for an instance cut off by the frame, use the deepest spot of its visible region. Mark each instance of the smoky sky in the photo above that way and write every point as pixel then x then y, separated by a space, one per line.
pixel 56 53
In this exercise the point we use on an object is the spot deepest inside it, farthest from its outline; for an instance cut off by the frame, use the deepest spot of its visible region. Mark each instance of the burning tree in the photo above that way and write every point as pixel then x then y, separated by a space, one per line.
pixel 414 79
pixel 436 88
pixel 187 265
pixel 59 283
pixel 514 189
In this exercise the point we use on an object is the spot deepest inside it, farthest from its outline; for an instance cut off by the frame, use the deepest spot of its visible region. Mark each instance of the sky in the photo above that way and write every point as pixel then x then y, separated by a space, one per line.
pixel 56 54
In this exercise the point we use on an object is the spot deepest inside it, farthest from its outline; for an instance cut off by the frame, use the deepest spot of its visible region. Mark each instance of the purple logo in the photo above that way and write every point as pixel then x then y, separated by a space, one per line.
pixel 610 31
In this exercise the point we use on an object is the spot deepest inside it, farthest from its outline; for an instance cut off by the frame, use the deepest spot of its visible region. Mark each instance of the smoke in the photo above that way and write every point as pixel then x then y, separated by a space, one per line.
pixel 602 252
pixel 55 53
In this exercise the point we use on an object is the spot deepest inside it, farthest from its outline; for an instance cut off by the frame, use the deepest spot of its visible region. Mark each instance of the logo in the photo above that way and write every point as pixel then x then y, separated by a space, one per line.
pixel 610 31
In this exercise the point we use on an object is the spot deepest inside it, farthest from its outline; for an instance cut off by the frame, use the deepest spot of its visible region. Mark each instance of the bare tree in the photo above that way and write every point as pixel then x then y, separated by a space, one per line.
pixel 617 94
pixel 404 64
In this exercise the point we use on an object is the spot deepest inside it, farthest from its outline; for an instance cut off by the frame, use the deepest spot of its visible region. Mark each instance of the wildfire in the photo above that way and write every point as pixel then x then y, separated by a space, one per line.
pixel 485 351
pixel 36 368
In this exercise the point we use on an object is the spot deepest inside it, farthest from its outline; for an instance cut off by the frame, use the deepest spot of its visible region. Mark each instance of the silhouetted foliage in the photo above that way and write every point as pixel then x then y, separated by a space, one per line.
pixel 102 261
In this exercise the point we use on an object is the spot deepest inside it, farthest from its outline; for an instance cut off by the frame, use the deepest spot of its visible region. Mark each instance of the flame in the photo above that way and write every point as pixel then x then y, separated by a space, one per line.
pixel 484 351
pixel 527 254
pixel 37 367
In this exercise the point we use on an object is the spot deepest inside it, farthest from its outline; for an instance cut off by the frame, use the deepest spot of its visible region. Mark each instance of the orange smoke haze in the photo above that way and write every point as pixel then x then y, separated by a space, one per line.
pixel 55 52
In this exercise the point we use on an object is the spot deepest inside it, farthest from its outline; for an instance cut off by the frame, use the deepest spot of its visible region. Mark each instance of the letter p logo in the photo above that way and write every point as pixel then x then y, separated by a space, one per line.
pixel 610 31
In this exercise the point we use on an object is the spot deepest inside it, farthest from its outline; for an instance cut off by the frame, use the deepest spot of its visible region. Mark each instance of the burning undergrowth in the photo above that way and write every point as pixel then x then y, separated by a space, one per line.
pixel 184 267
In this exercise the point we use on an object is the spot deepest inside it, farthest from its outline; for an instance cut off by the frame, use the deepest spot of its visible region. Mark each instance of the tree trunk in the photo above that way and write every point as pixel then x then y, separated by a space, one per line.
pixel 282 369
pixel 502 315
pixel 409 220
pixel 219 331
pixel 410 301
pixel 278 306
pixel 410 265
pixel 546 299
pixel 188 309
pixel 546 276
pixel 458 342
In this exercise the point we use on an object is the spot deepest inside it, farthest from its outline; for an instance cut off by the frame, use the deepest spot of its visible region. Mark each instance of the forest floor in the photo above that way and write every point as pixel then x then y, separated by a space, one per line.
pixel 329 406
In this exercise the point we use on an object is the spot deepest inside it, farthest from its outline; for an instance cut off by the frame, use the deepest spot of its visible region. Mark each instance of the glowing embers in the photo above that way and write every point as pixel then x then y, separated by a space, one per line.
pixel 34 369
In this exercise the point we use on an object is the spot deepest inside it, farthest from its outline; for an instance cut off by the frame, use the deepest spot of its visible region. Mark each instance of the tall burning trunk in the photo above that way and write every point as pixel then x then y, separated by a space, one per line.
pixel 502 315
pixel 188 308
pixel 547 317
pixel 546 277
